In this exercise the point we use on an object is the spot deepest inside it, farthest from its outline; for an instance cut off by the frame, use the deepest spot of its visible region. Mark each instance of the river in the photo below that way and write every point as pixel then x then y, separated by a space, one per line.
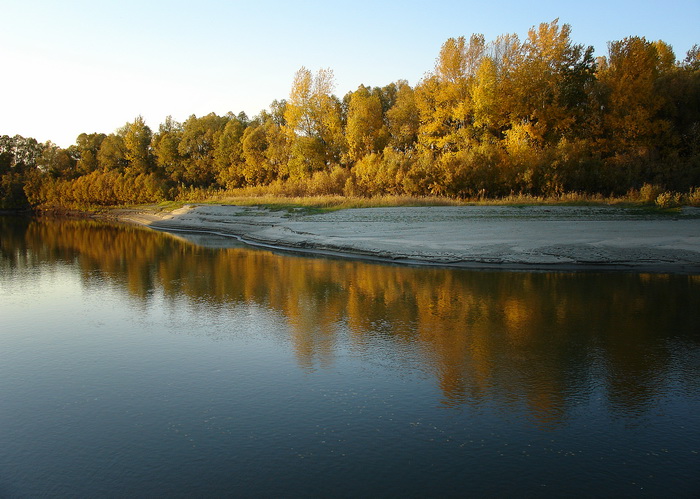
pixel 137 363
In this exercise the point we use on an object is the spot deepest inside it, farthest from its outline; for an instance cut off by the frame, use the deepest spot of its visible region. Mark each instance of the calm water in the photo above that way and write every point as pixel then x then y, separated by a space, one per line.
pixel 134 363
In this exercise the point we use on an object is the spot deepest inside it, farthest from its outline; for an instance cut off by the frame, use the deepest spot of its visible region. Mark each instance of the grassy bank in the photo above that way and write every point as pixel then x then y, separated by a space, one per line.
pixel 648 197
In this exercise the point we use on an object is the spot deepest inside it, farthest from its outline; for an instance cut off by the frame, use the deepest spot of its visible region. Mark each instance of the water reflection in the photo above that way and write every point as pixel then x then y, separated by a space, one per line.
pixel 541 340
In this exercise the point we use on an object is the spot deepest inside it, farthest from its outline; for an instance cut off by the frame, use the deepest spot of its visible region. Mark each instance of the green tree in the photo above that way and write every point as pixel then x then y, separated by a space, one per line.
pixel 19 153
pixel 57 162
pixel 19 157
pixel 165 145
pixel 87 147
pixel 260 142
pixel 228 155
pixel 277 148
pixel 112 153
pixel 200 138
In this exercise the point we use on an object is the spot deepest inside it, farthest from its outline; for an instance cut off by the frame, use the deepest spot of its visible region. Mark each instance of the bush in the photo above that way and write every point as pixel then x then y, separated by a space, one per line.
pixel 668 200
pixel 324 183
pixel 693 197
pixel 650 193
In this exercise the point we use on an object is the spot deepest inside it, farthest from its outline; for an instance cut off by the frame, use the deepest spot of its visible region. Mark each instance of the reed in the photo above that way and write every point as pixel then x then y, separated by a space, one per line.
pixel 648 197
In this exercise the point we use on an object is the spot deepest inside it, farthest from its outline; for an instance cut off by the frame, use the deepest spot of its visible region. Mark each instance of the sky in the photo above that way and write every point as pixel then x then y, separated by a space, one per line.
pixel 70 67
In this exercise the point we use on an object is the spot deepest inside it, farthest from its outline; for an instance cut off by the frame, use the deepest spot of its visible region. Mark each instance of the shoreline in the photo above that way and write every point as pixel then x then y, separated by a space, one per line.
pixel 535 238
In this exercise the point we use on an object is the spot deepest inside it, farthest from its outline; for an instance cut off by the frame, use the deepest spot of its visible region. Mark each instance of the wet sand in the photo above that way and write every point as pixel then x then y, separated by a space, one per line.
pixel 502 237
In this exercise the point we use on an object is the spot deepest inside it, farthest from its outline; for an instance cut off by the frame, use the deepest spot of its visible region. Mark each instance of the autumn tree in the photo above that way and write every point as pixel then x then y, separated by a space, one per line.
pixel 313 124
pixel 277 148
pixel 499 104
pixel 443 99
pixel 403 118
pixel 164 145
pixel 485 95
pixel 112 153
pixel 18 158
pixel 687 105
pixel 200 137
pixel 552 84
pixel 228 155
pixel 263 145
pixel 137 146
pixel 57 162
pixel 87 147
pixel 277 110
pixel 19 153
pixel 365 131
pixel 633 67
pixel 548 55
pixel 633 125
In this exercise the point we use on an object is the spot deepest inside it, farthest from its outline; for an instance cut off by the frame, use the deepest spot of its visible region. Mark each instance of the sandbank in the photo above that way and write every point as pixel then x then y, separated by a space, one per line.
pixel 499 237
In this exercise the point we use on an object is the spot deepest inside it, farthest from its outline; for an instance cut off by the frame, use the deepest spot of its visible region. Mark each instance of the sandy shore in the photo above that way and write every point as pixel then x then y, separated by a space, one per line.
pixel 537 238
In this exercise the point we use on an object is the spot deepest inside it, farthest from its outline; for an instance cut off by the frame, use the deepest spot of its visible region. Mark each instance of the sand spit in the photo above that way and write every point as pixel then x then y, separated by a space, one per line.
pixel 502 237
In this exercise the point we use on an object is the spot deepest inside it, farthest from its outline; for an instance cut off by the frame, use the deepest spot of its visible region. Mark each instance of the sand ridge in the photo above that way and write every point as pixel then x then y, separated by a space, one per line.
pixel 507 237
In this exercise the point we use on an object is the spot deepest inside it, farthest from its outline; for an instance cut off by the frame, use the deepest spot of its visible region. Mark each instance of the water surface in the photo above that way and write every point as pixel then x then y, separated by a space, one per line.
pixel 137 363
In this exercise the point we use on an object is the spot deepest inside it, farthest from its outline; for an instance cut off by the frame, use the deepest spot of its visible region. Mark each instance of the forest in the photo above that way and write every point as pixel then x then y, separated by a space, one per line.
pixel 540 116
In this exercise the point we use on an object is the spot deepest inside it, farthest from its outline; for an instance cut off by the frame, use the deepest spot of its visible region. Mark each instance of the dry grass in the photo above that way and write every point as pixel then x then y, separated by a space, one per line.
pixel 336 202
pixel 279 196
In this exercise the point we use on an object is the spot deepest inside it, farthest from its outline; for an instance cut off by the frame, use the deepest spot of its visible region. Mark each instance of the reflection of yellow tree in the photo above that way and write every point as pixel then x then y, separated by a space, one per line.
pixel 520 338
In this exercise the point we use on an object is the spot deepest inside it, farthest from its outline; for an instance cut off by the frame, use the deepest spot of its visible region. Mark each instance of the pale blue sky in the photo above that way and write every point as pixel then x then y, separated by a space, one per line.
pixel 90 66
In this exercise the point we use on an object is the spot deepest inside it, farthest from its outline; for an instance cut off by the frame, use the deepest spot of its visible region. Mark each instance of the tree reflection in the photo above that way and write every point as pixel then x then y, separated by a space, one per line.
pixel 538 340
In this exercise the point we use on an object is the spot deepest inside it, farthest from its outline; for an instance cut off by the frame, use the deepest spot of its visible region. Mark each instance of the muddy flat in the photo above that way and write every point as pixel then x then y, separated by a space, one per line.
pixel 507 237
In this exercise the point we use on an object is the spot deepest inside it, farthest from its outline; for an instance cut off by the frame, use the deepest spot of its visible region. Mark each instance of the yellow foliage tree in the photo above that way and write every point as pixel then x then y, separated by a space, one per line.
pixel 365 131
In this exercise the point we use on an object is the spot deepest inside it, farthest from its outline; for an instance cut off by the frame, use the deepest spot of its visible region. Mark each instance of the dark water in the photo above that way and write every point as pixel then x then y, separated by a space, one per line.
pixel 133 363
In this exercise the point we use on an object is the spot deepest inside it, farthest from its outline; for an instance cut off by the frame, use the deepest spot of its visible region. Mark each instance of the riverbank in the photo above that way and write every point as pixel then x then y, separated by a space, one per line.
pixel 500 237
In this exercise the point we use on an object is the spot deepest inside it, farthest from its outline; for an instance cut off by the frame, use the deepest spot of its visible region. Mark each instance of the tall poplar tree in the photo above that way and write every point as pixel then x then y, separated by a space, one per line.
pixel 312 122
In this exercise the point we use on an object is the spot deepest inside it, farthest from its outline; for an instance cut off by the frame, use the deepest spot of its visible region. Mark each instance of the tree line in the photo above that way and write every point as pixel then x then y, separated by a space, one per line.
pixel 538 116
